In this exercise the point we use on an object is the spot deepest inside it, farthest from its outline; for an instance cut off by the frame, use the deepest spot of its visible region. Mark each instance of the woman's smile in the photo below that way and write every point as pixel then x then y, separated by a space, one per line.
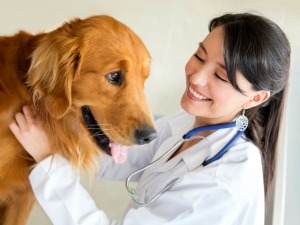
pixel 196 95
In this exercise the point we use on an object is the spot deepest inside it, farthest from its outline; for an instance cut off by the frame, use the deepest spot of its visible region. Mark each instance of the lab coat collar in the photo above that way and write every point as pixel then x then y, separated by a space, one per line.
pixel 207 148
pixel 197 154
pixel 192 157
pixel 179 125
pixel 164 164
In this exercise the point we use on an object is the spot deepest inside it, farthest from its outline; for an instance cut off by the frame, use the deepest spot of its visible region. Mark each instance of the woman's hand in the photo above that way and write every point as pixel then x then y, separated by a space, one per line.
pixel 30 132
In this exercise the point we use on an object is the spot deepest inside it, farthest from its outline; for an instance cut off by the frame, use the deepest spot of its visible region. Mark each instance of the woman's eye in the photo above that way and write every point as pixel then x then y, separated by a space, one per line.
pixel 220 78
pixel 115 78
pixel 198 57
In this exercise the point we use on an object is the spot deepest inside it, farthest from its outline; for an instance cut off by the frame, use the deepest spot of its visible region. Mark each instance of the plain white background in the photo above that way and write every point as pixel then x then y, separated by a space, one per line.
pixel 171 29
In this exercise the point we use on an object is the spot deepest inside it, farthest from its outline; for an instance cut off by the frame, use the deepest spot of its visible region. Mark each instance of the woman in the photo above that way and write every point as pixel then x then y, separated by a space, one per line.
pixel 240 68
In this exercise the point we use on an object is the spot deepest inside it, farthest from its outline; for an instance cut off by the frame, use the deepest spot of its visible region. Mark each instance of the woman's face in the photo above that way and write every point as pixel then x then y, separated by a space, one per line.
pixel 209 95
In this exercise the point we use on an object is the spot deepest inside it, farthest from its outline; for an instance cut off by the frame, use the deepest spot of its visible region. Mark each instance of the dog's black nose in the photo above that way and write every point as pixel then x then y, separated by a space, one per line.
pixel 144 136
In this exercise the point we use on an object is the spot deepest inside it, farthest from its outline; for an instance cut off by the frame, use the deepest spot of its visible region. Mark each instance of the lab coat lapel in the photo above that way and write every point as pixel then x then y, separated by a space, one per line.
pixel 198 153
pixel 207 148
pixel 164 165
pixel 192 157
pixel 178 129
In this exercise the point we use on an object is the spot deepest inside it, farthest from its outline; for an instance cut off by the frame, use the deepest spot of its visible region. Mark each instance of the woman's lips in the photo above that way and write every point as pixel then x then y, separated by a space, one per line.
pixel 196 95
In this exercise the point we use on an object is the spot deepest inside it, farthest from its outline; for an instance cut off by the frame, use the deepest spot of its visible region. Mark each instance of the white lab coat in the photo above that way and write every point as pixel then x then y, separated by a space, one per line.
pixel 227 191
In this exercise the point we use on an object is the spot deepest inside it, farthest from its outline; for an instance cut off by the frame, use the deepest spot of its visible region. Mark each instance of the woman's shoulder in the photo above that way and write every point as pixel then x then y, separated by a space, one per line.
pixel 239 171
pixel 242 170
pixel 244 151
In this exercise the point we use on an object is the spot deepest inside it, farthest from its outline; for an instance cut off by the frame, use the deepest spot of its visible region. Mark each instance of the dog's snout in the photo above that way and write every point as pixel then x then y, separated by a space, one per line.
pixel 144 136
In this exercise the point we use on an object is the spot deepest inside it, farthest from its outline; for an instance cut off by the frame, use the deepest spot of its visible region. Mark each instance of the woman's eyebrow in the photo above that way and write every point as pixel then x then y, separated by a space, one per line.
pixel 222 66
pixel 202 47
pixel 205 51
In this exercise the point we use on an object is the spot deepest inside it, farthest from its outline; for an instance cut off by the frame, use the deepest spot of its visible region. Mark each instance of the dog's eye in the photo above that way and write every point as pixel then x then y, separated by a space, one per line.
pixel 115 78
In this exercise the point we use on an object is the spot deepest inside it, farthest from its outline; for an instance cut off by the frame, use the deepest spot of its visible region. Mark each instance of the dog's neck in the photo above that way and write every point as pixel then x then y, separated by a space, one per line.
pixel 15 53
pixel 17 50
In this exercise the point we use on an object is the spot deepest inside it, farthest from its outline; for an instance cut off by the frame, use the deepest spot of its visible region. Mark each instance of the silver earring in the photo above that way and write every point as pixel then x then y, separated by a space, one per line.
pixel 241 122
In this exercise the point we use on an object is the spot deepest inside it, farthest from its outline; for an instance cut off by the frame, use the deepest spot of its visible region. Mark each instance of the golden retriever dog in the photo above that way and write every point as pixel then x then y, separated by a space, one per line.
pixel 86 82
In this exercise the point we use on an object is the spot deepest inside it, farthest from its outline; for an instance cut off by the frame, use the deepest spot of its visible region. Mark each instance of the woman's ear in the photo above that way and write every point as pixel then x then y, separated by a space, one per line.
pixel 258 98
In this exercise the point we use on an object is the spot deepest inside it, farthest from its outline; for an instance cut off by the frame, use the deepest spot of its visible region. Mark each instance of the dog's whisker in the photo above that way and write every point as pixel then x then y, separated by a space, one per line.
pixel 104 124
pixel 100 133
pixel 95 129
pixel 26 157
pixel 99 130
pixel 91 128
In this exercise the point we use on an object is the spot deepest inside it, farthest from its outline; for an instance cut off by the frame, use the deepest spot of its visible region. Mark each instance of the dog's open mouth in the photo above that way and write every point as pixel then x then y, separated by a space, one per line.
pixel 117 151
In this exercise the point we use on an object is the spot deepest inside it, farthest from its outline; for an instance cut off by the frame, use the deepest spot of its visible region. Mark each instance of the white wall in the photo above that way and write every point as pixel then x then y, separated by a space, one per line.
pixel 171 29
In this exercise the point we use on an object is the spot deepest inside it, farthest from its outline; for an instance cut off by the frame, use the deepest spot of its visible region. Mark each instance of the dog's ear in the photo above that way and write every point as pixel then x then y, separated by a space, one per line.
pixel 55 64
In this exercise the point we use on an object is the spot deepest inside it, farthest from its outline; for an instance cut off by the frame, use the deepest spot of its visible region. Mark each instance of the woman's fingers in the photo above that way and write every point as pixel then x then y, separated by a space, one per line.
pixel 21 121
pixel 29 113
pixel 17 126
pixel 14 128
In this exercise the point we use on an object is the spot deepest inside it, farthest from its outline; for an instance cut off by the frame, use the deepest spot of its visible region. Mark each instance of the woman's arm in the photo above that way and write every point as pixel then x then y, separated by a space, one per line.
pixel 58 190
pixel 194 199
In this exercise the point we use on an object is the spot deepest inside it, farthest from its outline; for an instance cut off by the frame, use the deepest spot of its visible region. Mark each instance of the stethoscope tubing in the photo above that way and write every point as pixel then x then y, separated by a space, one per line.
pixel 185 137
pixel 209 127
pixel 224 150
pixel 131 190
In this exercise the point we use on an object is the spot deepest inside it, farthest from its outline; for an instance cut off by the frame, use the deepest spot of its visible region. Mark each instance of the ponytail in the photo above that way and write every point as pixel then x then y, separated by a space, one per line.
pixel 263 130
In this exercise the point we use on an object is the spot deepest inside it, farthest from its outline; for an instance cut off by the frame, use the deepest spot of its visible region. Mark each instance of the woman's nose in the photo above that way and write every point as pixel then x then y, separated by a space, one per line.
pixel 199 78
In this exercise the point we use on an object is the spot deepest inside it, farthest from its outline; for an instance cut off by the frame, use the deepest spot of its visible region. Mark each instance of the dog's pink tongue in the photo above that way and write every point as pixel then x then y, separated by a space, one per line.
pixel 119 152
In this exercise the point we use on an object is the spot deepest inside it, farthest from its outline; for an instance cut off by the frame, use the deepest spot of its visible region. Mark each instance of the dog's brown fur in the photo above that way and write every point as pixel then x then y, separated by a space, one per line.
pixel 58 72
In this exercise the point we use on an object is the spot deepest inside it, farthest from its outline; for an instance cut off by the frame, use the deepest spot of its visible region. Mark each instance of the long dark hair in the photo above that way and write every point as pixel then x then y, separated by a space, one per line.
pixel 260 50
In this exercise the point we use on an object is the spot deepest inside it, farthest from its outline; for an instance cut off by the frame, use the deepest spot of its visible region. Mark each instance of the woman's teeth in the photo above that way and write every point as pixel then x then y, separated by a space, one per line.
pixel 197 95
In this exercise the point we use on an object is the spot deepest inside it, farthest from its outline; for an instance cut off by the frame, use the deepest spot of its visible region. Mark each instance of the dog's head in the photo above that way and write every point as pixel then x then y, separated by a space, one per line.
pixel 100 63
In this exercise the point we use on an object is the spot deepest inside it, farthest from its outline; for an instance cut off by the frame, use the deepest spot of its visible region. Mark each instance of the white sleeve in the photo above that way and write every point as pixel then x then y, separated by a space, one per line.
pixel 59 192
pixel 190 201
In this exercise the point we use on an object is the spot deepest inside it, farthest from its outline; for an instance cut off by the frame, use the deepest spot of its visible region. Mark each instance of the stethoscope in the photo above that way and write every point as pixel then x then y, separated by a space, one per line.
pixel 188 136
